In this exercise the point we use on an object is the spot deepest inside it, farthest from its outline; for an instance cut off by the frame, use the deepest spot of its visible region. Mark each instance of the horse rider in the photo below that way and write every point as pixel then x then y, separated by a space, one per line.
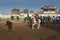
pixel 37 16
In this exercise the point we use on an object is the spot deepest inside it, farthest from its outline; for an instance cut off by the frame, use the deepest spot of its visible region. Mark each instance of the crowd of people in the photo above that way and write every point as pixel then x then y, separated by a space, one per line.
pixel 52 20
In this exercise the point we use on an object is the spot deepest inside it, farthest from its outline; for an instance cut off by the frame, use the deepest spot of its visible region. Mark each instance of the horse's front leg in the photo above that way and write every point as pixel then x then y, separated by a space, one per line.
pixel 33 25
pixel 38 24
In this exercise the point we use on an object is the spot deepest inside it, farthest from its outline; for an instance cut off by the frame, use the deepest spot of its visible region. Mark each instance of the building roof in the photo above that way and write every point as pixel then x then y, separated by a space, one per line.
pixel 48 7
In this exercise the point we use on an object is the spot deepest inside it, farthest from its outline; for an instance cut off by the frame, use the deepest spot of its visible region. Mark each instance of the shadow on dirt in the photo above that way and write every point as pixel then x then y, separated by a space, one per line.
pixel 53 37
pixel 55 27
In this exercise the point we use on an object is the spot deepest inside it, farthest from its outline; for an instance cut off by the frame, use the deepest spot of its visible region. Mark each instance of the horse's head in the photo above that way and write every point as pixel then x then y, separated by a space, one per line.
pixel 33 19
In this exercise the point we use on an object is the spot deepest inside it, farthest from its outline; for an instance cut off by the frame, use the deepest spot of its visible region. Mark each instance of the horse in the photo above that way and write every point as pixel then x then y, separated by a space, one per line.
pixel 34 22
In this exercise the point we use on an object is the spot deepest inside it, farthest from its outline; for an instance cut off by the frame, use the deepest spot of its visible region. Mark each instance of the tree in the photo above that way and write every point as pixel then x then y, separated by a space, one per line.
pixel 40 12
pixel 31 11
pixel 25 11
pixel 15 11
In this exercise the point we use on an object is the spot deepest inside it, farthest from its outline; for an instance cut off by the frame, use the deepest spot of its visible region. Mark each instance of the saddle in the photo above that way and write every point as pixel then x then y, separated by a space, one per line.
pixel 37 20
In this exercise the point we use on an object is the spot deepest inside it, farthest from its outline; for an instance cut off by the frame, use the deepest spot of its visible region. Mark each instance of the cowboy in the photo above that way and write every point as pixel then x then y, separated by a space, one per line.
pixel 37 17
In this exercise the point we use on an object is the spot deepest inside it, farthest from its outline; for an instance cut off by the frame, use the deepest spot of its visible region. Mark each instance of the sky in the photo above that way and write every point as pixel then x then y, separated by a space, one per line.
pixel 7 5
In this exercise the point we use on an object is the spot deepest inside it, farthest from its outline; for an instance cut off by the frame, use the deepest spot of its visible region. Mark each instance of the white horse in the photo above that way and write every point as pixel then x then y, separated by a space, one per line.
pixel 34 22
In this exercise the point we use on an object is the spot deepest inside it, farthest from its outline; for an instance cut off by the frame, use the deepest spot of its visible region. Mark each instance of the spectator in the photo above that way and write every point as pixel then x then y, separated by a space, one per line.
pixel 53 20
pixel 9 24
pixel 57 19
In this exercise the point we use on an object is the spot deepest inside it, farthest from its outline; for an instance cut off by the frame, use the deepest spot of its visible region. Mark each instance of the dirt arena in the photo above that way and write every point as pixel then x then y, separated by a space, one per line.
pixel 24 32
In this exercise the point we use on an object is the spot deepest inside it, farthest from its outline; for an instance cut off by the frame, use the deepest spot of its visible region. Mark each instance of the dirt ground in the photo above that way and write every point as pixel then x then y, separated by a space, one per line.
pixel 24 32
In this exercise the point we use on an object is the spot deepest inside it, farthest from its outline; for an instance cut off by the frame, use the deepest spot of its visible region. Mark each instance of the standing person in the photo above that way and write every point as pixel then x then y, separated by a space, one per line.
pixel 9 24
pixel 53 20
pixel 28 15
pixel 57 19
